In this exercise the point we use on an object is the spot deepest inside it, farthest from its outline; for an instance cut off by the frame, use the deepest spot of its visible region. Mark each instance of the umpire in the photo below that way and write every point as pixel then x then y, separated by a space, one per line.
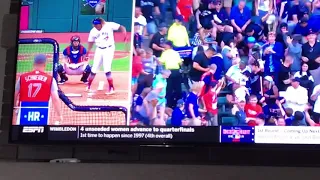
pixel 172 61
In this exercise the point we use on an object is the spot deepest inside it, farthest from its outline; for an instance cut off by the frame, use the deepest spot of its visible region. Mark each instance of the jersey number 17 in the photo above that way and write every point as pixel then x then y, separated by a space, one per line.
pixel 33 89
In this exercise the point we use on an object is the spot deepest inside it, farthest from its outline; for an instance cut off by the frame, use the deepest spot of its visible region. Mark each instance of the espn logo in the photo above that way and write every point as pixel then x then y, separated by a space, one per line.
pixel 33 129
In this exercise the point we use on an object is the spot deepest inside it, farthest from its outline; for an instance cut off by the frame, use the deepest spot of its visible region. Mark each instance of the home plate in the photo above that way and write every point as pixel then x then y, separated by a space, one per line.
pixel 73 95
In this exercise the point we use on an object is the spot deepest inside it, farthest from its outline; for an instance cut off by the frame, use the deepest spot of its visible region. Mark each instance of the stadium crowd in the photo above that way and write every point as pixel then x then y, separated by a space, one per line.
pixel 246 63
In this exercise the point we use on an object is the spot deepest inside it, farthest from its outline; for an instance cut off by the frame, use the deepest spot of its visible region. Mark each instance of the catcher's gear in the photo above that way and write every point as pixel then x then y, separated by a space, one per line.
pixel 74 38
pixel 74 66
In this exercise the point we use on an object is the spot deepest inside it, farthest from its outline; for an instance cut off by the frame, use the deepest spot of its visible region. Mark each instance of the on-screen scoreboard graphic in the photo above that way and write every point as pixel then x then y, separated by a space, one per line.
pixel 236 134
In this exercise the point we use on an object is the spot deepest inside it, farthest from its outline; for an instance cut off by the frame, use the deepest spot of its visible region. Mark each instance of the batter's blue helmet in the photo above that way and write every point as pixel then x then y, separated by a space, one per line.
pixel 97 21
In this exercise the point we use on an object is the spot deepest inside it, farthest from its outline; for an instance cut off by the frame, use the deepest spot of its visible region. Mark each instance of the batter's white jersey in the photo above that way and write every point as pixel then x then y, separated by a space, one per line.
pixel 104 37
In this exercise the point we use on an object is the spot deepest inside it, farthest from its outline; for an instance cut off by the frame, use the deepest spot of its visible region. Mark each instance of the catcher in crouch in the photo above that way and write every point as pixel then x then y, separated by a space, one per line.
pixel 74 62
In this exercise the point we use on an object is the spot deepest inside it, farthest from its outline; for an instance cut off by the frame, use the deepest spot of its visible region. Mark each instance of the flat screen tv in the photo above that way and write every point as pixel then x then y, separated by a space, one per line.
pixel 95 72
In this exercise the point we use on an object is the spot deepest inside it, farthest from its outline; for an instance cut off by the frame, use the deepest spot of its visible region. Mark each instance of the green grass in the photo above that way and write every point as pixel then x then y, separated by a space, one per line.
pixel 27 52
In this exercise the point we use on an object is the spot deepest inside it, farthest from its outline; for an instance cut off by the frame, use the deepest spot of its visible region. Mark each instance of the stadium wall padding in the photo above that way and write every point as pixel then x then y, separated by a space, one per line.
pixel 64 16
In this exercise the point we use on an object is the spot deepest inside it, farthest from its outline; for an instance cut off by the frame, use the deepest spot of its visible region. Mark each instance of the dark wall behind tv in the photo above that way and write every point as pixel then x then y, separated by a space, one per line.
pixel 42 171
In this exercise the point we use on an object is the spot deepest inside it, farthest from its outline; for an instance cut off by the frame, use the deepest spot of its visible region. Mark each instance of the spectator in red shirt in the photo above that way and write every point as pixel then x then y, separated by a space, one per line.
pixel 210 101
pixel 184 8
pixel 253 109
pixel 136 70
pixel 208 78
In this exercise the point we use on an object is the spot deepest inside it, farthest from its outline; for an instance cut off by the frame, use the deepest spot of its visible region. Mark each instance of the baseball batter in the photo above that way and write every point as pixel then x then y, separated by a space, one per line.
pixel 75 61
pixel 102 36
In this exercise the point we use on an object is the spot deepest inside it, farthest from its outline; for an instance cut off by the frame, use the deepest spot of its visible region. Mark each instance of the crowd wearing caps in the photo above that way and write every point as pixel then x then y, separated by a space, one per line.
pixel 179 18
pixel 251 40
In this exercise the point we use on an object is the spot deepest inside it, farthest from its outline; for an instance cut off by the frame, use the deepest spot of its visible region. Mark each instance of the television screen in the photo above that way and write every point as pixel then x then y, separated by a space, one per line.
pixel 129 74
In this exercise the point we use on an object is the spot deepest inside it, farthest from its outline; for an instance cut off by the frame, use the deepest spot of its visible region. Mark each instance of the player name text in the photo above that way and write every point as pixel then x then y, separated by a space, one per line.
pixel 36 77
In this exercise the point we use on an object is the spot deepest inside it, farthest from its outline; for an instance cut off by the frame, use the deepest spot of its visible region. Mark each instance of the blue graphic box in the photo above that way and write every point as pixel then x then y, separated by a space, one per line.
pixel 34 113
pixel 93 3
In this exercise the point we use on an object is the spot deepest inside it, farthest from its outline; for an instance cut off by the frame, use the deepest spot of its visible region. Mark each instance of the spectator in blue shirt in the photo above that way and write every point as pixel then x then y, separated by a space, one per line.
pixel 217 59
pixel 255 79
pixel 191 105
pixel 302 28
pixel 296 11
pixel 282 34
pixel 299 119
pixel 273 53
pixel 315 16
pixel 295 50
pixel 220 17
pixel 221 14
pixel 288 116
pixel 283 8
pixel 138 100
pixel 239 113
pixel 246 52
pixel 255 31
pixel 240 17
pixel 178 114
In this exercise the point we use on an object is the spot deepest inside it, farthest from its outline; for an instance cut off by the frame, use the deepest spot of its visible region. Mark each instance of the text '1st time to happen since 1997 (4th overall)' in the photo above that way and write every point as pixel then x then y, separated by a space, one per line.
pixel 132 132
